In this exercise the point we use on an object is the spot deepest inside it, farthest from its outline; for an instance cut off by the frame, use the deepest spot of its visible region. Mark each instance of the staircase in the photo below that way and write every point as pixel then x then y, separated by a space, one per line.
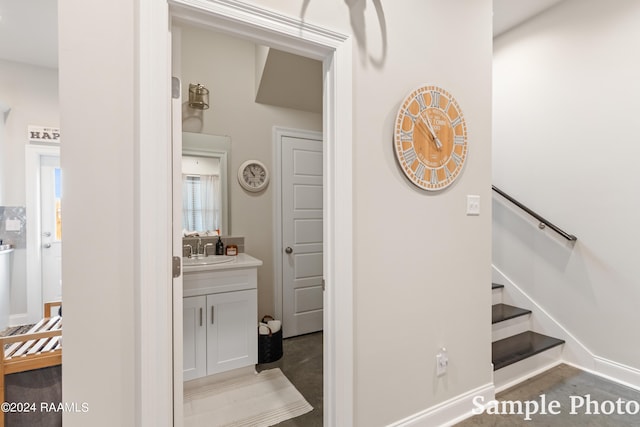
pixel 517 351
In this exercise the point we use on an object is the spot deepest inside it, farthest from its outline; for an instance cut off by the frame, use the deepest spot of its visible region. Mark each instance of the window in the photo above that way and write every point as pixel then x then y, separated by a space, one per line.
pixel 201 202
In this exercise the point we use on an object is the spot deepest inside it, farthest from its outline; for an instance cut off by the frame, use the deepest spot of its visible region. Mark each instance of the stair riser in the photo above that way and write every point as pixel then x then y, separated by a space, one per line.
pixel 520 371
pixel 510 327
pixel 496 296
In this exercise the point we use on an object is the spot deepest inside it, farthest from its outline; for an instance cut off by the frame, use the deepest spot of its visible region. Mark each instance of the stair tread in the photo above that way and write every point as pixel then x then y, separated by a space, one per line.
pixel 496 286
pixel 502 312
pixel 519 347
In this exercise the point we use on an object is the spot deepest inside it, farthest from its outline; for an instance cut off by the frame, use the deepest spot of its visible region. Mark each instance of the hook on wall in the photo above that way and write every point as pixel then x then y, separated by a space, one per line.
pixel 357 18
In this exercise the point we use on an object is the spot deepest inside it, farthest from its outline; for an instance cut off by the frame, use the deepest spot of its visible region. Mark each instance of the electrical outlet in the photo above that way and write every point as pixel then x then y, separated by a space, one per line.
pixel 442 362
pixel 473 205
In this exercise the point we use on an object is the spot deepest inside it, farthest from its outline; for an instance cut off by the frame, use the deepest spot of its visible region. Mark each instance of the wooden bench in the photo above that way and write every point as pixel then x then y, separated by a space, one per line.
pixel 40 347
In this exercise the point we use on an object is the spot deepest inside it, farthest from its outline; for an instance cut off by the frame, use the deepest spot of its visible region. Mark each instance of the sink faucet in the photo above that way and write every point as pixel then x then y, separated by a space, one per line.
pixel 199 244
pixel 204 250
pixel 190 250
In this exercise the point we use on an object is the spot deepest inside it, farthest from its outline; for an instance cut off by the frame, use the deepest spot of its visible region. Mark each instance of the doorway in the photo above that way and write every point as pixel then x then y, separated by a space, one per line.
pixel 43 189
pixel 334 50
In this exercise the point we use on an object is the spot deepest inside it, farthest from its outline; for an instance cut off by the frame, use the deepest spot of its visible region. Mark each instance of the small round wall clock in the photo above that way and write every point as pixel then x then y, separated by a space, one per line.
pixel 253 176
pixel 430 138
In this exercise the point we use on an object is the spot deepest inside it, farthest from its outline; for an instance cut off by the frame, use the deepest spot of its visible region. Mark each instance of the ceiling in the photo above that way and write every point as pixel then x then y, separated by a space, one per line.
pixel 29 31
pixel 510 13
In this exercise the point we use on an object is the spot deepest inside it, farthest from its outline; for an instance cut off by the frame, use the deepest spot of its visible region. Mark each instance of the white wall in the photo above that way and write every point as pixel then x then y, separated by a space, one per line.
pixel 422 268
pixel 98 155
pixel 200 165
pixel 32 94
pixel 227 67
pixel 566 102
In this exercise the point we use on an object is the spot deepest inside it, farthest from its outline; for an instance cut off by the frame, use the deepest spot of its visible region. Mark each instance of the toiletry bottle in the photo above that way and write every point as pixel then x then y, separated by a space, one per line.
pixel 219 247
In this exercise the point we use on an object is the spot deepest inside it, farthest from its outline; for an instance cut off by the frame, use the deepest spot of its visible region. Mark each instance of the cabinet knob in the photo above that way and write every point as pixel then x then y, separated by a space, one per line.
pixel 288 250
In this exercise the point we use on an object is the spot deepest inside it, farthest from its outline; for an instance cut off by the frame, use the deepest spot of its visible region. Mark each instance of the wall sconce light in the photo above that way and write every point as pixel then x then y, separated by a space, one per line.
pixel 198 96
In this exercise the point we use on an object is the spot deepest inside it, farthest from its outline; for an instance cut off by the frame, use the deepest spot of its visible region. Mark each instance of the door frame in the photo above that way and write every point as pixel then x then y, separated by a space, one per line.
pixel 33 155
pixel 153 297
pixel 278 133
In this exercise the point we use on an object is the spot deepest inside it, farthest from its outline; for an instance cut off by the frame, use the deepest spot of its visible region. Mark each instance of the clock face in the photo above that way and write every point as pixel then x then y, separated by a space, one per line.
pixel 430 138
pixel 253 176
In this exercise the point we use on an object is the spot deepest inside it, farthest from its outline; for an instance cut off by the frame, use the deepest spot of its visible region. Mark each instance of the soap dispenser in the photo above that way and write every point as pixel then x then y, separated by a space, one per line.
pixel 219 246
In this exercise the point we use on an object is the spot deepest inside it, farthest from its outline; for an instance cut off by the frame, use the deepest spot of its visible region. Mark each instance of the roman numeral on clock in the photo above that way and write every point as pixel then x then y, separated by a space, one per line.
pixel 456 122
pixel 421 101
pixel 434 177
pixel 456 158
pixel 420 171
pixel 406 136
pixel 447 173
pixel 411 116
pixel 435 98
pixel 409 155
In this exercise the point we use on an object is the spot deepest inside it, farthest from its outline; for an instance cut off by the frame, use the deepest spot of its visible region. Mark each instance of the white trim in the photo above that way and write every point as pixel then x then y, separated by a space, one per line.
pixel 614 371
pixel 298 37
pixel 278 133
pixel 33 153
pixel 574 352
pixel 153 208
pixel 450 412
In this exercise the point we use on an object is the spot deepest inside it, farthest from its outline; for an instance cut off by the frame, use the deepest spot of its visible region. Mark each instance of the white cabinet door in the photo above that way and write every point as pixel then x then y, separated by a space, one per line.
pixel 194 337
pixel 232 336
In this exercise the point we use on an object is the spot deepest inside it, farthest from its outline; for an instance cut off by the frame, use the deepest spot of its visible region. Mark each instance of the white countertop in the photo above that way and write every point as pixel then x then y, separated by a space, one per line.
pixel 241 260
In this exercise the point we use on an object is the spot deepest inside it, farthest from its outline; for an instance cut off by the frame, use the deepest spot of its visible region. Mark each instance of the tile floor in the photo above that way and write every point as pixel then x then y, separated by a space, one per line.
pixel 302 364
pixel 567 384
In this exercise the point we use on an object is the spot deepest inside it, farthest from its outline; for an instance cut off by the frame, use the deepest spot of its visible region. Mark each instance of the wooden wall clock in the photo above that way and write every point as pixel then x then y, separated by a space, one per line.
pixel 430 138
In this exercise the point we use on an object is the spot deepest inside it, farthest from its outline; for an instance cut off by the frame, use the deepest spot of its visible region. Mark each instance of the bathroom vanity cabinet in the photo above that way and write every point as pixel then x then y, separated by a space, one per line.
pixel 220 319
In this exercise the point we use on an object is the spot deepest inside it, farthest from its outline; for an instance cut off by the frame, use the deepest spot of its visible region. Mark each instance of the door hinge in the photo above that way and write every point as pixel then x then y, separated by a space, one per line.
pixel 175 261
pixel 323 285
pixel 175 87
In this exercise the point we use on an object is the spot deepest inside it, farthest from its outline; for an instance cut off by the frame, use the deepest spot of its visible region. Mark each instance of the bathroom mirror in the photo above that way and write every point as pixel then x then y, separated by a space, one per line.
pixel 205 160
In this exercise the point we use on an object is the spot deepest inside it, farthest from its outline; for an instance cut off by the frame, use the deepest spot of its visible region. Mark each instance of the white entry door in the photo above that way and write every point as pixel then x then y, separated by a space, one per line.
pixel 51 228
pixel 301 195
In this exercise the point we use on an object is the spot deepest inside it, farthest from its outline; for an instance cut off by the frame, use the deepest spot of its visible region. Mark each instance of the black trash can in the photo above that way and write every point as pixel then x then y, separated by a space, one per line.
pixel 269 345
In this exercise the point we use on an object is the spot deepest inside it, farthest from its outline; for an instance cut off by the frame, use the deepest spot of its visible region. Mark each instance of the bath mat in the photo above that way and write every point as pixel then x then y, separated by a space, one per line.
pixel 250 400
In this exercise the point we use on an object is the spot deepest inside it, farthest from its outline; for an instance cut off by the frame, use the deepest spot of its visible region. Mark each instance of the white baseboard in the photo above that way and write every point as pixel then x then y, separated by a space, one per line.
pixel 450 412
pixel 613 371
pixel 618 372
pixel 574 353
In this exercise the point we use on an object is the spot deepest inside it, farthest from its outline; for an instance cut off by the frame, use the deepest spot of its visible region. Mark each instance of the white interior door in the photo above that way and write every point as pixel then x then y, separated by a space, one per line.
pixel 51 228
pixel 301 192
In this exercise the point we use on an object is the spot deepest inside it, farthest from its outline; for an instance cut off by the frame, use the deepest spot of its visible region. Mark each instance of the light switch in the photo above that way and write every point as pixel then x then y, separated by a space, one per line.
pixel 473 205
pixel 12 225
